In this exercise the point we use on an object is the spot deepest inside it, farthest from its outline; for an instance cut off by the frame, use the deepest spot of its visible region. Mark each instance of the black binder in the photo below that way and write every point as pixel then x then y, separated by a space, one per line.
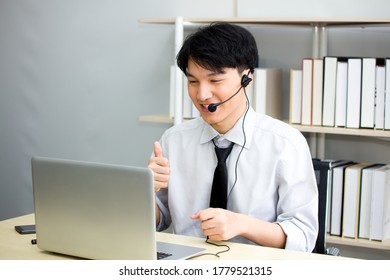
pixel 323 173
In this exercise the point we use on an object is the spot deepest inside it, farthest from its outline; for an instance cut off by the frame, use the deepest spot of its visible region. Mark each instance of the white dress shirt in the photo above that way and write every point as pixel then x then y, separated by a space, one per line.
pixel 275 177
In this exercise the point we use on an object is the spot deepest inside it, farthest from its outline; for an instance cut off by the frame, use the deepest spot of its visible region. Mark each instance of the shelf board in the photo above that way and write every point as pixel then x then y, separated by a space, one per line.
pixel 343 131
pixel 156 119
pixel 285 21
pixel 385 245
pixel 303 128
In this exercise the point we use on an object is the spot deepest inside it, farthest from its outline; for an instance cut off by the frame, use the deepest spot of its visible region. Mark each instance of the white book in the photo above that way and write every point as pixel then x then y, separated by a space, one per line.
pixel 267 91
pixel 380 97
pixel 341 94
pixel 295 95
pixel 329 101
pixel 380 204
pixel 351 199
pixel 317 91
pixel 307 91
pixel 365 201
pixel 387 95
pixel 337 199
pixel 354 92
pixel 368 92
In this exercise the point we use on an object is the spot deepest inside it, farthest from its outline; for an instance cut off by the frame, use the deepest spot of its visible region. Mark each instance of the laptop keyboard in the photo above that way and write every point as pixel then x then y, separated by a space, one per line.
pixel 161 255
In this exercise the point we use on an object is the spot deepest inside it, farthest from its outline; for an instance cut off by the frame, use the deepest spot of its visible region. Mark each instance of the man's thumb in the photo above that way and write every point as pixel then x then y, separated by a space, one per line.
pixel 157 149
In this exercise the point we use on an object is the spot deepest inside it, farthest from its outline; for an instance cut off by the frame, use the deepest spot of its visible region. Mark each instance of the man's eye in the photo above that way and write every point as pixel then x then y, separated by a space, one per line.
pixel 192 82
pixel 216 81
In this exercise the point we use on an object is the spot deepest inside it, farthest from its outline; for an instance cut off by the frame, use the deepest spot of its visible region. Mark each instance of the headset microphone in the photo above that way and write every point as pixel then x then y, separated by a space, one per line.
pixel 213 107
pixel 245 80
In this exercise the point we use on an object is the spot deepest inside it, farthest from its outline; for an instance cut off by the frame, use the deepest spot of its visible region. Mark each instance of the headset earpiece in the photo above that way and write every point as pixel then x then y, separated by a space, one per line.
pixel 245 80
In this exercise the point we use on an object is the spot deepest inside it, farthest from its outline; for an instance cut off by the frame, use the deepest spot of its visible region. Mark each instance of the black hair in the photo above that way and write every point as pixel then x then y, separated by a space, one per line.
pixel 217 46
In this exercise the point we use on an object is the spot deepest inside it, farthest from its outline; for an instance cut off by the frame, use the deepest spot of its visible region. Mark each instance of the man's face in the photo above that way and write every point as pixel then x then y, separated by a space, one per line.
pixel 206 87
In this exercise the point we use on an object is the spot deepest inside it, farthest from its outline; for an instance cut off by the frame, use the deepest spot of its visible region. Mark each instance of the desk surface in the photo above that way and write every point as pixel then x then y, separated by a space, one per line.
pixel 15 246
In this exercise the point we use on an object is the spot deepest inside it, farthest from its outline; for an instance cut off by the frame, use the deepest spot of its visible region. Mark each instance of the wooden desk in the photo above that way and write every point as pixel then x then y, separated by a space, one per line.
pixel 15 246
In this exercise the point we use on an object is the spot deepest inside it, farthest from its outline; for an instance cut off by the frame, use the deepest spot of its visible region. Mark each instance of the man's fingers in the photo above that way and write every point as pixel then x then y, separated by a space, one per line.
pixel 161 180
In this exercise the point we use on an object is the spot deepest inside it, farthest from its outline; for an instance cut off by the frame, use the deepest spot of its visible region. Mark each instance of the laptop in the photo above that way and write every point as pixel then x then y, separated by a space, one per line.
pixel 98 211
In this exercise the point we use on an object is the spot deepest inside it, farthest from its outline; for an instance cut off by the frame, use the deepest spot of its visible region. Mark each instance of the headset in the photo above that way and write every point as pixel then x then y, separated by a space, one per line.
pixel 245 80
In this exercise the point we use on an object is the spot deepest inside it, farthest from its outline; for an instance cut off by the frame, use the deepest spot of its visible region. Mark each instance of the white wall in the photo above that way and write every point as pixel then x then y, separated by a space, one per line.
pixel 74 77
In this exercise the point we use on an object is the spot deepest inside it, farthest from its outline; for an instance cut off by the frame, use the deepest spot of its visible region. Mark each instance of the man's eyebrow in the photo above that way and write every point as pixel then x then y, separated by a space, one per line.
pixel 190 75
pixel 214 73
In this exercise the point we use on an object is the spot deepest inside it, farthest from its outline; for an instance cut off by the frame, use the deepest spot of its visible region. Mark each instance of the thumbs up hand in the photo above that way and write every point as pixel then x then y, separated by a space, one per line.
pixel 160 167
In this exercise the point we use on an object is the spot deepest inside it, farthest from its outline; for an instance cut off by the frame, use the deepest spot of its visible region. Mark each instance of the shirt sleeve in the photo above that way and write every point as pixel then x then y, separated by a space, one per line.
pixel 165 217
pixel 298 198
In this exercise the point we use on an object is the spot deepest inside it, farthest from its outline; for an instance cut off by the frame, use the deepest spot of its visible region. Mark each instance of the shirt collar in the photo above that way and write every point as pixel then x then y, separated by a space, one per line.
pixel 235 134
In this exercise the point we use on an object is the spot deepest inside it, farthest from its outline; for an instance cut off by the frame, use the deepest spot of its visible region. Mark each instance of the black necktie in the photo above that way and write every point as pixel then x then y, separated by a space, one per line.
pixel 218 198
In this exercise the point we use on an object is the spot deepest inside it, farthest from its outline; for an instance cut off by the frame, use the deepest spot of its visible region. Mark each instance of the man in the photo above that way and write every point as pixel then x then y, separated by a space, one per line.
pixel 271 197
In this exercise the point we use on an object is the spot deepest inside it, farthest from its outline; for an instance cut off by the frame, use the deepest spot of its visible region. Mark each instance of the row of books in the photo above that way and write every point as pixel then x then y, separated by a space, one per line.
pixel 351 92
pixel 264 93
pixel 358 196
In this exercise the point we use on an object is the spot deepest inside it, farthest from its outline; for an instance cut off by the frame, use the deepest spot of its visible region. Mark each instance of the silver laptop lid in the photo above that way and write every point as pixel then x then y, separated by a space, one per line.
pixel 94 211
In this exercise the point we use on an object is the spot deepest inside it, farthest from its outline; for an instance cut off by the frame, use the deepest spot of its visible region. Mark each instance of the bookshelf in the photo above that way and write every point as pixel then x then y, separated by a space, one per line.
pixel 319 38
pixel 319 27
